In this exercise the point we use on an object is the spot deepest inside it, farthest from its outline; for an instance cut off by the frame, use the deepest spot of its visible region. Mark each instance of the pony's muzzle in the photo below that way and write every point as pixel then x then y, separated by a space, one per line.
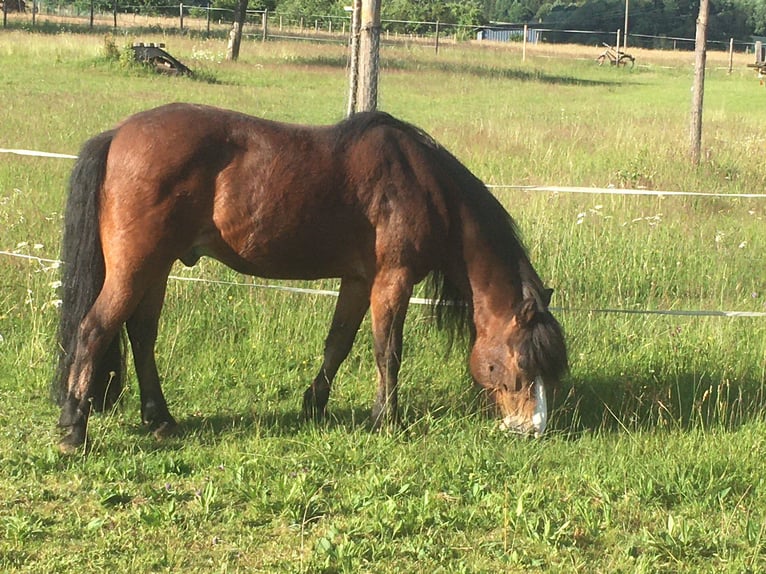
pixel 519 424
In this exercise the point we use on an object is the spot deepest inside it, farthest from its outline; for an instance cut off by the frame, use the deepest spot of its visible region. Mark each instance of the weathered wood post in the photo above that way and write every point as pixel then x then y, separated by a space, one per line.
pixel 731 54
pixel 353 76
pixel 524 44
pixel 115 13
pixel 698 88
pixel 235 35
pixel 436 47
pixel 625 27
pixel 181 15
pixel 265 25
pixel 369 56
pixel 617 49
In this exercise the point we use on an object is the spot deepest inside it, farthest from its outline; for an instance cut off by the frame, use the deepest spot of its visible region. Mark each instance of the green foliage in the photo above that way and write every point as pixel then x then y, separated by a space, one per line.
pixel 674 18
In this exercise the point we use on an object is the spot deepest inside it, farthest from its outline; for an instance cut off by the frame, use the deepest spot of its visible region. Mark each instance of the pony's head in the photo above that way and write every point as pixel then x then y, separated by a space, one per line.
pixel 517 362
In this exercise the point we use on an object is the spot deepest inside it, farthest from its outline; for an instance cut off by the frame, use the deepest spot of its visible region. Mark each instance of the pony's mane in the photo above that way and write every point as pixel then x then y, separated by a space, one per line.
pixel 544 348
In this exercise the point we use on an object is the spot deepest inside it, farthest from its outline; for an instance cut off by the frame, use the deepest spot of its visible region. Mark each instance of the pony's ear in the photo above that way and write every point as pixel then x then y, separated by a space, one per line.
pixel 527 311
pixel 546 297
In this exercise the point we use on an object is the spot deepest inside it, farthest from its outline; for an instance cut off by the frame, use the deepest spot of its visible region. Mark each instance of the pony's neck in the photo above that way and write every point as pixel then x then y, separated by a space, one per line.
pixel 496 286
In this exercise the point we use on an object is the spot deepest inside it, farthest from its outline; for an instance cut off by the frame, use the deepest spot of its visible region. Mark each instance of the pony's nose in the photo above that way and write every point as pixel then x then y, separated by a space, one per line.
pixel 536 424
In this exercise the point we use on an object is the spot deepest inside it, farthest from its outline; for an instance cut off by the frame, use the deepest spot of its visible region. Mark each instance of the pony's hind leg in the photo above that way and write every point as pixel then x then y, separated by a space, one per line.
pixel 389 300
pixel 353 302
pixel 96 332
pixel 142 331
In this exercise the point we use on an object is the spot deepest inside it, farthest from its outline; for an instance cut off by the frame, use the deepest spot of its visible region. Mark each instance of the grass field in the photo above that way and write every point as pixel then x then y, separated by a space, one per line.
pixel 657 452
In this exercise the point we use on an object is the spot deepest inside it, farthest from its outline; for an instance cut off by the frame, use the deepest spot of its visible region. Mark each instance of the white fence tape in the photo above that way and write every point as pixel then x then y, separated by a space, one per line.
pixel 547 188
pixel 618 191
pixel 421 301
pixel 38 153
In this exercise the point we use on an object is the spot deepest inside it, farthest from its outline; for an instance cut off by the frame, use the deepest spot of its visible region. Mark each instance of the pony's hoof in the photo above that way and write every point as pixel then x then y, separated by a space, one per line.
pixel 72 443
pixel 165 430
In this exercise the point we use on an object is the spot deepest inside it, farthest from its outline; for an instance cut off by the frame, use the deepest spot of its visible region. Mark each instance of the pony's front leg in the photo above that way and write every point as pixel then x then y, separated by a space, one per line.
pixel 390 297
pixel 353 302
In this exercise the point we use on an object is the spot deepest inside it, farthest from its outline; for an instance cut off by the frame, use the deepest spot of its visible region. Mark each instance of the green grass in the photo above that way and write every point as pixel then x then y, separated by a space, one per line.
pixel 655 460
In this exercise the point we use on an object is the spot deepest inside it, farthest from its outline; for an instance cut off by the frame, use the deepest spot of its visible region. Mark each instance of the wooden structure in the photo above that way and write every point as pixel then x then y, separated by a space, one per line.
pixel 760 60
pixel 162 61
pixel 13 6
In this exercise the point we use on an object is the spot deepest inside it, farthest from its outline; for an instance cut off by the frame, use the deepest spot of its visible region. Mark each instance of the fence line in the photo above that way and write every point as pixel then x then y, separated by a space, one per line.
pixel 620 191
pixel 412 28
pixel 421 301
pixel 547 188
pixel 34 153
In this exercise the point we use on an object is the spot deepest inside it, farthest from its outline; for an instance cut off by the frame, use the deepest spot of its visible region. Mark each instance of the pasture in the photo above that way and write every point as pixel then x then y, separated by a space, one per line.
pixel 655 457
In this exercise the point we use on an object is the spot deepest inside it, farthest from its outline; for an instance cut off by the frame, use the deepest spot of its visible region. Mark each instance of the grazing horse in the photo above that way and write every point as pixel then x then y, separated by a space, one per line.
pixel 372 200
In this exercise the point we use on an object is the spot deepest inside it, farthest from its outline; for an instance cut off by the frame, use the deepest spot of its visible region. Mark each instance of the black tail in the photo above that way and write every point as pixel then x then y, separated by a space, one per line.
pixel 83 276
pixel 450 306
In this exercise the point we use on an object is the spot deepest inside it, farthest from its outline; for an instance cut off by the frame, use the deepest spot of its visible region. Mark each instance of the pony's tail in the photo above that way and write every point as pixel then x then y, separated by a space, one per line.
pixel 83 277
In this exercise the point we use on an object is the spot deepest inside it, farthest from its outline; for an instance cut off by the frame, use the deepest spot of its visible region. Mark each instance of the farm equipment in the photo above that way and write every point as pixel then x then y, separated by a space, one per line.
pixel 760 61
pixel 156 56
pixel 615 57
pixel 13 6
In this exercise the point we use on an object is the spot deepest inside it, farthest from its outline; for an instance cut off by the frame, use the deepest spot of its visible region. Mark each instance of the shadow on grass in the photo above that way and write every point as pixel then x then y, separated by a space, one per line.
pixel 272 424
pixel 606 404
pixel 615 404
pixel 54 28
pixel 477 71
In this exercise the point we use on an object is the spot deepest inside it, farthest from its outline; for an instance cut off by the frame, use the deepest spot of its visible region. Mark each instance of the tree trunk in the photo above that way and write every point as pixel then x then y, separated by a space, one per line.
pixel 235 35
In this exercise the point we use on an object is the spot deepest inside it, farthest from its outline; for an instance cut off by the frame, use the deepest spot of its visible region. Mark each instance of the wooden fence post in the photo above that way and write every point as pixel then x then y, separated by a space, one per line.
pixel 181 15
pixel 617 49
pixel 353 76
pixel 369 56
pixel 436 48
pixel 524 44
pixel 115 13
pixel 265 25
pixel 698 88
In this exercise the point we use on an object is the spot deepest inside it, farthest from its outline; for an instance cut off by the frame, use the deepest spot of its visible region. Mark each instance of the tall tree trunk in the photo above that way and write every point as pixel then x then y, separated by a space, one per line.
pixel 235 35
